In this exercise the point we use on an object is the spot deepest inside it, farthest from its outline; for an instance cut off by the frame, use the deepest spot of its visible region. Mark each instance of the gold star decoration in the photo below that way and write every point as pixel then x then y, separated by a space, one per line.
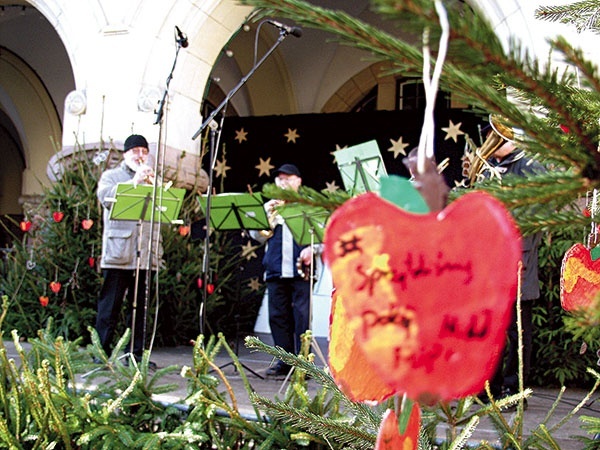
pixel 292 135
pixel 337 149
pixel 264 167
pixel 221 168
pixel 248 251
pixel 453 131
pixel 398 147
pixel 254 284
pixel 331 187
pixel 240 135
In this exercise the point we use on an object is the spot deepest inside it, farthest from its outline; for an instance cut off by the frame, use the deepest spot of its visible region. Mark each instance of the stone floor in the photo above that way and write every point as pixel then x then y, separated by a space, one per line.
pixel 256 363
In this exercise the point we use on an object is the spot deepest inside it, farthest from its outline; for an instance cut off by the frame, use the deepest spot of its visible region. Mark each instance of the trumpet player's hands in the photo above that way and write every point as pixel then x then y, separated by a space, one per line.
pixel 271 204
pixel 306 255
pixel 144 175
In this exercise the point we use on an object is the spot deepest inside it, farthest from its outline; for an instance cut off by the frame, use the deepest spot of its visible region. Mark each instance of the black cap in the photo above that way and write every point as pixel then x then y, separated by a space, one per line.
pixel 288 169
pixel 135 140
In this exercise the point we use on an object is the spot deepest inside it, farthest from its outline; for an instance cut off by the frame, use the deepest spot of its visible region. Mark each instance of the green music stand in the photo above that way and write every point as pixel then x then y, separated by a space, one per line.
pixel 233 211
pixel 361 166
pixel 134 203
pixel 307 223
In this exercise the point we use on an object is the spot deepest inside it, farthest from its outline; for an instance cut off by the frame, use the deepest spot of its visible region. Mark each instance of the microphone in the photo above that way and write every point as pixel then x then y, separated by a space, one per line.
pixel 294 31
pixel 182 38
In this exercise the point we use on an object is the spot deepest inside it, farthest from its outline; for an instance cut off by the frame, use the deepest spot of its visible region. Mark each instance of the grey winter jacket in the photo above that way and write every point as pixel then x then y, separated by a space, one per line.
pixel 120 237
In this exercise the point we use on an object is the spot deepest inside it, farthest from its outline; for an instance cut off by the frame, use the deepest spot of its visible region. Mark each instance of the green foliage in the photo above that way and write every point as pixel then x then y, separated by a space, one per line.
pixel 57 251
pixel 552 341
pixel 66 252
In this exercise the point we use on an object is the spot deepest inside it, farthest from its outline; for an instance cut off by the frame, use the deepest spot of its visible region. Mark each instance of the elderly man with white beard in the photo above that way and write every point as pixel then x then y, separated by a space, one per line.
pixel 126 249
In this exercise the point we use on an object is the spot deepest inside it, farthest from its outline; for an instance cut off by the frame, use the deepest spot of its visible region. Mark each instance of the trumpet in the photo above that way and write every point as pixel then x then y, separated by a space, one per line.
pixel 273 217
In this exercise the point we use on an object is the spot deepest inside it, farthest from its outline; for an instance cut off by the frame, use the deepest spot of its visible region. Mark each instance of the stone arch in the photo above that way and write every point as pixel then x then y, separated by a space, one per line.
pixel 34 118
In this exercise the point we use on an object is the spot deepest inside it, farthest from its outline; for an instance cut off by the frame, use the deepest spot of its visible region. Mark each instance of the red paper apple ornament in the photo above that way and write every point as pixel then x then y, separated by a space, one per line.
pixel 579 278
pixel 25 225
pixel 58 216
pixel 86 224
pixel 44 300
pixel 430 295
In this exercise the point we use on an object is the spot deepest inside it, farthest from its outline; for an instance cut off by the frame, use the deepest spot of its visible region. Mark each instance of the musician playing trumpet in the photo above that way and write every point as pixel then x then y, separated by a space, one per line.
pixel 288 291
pixel 127 250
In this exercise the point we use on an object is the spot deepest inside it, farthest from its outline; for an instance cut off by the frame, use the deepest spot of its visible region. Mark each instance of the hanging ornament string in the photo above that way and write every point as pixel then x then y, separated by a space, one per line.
pixel 430 84
pixel 593 236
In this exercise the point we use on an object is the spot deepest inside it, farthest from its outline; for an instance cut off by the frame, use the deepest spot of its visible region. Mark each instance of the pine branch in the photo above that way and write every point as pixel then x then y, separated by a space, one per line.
pixel 584 15
pixel 479 71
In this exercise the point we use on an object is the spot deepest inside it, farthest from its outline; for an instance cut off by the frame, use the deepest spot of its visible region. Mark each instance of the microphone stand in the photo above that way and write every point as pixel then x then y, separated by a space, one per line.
pixel 155 243
pixel 214 126
pixel 282 35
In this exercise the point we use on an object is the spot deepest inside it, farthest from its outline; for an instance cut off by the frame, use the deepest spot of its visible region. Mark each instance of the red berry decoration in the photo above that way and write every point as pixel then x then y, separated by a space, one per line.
pixel 58 216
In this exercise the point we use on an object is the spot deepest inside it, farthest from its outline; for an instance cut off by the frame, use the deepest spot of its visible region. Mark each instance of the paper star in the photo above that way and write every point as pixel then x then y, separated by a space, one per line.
pixel 331 187
pixel 240 135
pixel 221 168
pixel 292 135
pixel 398 147
pixel 248 251
pixel 264 167
pixel 337 149
pixel 453 131
pixel 254 284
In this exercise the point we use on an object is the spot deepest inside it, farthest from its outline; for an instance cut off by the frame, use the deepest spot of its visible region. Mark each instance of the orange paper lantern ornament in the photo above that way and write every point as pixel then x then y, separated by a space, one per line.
pixel 390 437
pixel 347 362
pixel 428 294
pixel 579 278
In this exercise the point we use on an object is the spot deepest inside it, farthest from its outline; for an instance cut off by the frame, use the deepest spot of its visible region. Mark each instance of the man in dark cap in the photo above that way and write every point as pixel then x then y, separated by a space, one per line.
pixel 122 267
pixel 508 160
pixel 287 290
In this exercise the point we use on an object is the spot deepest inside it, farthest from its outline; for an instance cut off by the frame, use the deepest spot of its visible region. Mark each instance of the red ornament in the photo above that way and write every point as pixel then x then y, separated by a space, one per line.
pixel 579 279
pixel 391 438
pixel 210 288
pixel 58 216
pixel 428 294
pixel 91 261
pixel 25 225
pixel 199 282
pixel 55 286
pixel 587 213
pixel 184 230
pixel 44 300
pixel 564 128
pixel 86 224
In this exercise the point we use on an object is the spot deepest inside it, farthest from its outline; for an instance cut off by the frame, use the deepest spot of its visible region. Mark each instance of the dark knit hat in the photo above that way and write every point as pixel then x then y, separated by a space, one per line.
pixel 135 140
pixel 288 169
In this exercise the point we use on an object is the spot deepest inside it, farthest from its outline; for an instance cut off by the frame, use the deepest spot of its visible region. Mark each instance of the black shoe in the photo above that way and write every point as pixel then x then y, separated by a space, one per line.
pixel 278 370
